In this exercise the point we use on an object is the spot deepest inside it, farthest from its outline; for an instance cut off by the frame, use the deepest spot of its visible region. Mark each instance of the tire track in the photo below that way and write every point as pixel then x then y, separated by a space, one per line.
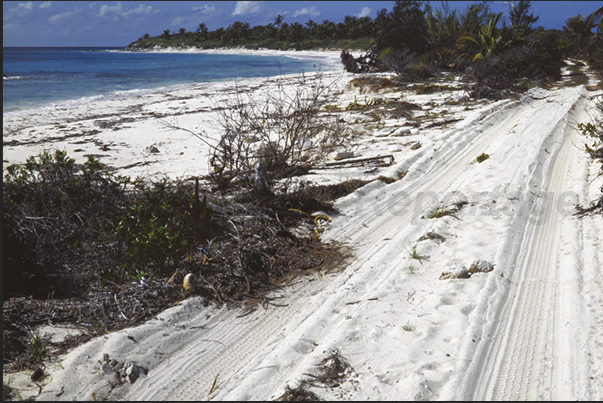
pixel 518 363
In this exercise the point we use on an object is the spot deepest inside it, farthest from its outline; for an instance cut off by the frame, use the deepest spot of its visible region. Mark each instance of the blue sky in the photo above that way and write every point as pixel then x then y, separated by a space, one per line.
pixel 118 23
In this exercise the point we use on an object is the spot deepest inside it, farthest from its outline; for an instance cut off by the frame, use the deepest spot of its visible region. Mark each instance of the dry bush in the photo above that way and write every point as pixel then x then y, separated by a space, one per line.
pixel 279 128
pixel 333 370
pixel 298 394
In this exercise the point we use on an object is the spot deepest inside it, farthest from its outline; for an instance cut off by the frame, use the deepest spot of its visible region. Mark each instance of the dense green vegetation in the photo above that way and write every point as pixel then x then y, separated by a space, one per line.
pixel 353 32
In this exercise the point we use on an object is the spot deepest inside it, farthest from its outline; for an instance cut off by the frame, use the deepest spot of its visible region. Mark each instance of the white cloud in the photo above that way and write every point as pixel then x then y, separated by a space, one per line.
pixel 205 9
pixel 365 12
pixel 307 11
pixel 60 16
pixel 105 9
pixel 27 6
pixel 141 9
pixel 247 7
pixel 118 10
pixel 45 4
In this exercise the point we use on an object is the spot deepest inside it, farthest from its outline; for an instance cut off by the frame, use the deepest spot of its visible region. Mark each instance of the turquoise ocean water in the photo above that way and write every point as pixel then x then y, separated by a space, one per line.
pixel 36 77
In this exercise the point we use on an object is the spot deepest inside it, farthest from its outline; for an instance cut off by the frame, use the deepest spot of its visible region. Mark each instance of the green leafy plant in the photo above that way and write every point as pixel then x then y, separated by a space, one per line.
pixel 437 212
pixel 482 157
pixel 415 255
pixel 36 345
pixel 352 105
pixel 590 130
pixel 489 38
pixel 148 238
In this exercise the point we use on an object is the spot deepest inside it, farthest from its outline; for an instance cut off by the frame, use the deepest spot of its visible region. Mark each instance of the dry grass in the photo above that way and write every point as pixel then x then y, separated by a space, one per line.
pixel 432 236
pixel 438 212
pixel 332 371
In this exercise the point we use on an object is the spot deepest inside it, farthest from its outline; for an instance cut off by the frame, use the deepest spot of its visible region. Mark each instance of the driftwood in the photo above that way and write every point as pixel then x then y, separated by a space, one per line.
pixel 360 160
pixel 367 63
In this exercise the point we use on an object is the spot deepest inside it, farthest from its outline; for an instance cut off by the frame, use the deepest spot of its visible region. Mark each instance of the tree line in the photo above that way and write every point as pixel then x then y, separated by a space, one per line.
pixel 276 35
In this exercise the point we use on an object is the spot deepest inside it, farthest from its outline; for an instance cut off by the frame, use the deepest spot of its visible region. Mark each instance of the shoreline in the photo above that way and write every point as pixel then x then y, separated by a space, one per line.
pixel 328 61
pixel 120 131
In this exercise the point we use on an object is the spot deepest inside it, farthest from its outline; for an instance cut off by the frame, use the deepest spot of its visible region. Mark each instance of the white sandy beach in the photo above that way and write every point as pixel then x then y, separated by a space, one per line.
pixel 528 329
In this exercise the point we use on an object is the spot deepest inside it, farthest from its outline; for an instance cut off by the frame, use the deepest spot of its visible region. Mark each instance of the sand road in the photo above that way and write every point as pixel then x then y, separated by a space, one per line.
pixel 529 348
pixel 527 330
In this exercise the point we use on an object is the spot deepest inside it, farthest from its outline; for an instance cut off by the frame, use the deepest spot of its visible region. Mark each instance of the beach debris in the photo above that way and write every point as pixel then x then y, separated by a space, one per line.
pixel 461 272
pixel 478 266
pixel 481 266
pixel 367 63
pixel 213 385
pixel 129 370
pixel 298 394
pixel 460 98
pixel 260 177
pixel 432 235
pixel 153 150
pixel 416 145
pixel 333 371
pixel 189 282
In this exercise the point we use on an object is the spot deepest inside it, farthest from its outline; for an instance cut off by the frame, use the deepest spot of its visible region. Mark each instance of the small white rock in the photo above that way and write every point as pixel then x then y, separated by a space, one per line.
pixel 343 155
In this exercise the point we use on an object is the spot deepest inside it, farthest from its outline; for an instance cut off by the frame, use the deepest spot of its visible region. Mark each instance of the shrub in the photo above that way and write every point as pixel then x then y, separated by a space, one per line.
pixel 539 59
pixel 482 157
pixel 594 132
pixel 595 60
pixel 59 216
pixel 54 209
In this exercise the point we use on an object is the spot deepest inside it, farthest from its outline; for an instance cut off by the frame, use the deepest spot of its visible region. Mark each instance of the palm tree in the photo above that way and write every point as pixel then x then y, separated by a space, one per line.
pixel 596 19
pixel 311 27
pixel 278 20
pixel 519 17
pixel 578 25
pixel 296 32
